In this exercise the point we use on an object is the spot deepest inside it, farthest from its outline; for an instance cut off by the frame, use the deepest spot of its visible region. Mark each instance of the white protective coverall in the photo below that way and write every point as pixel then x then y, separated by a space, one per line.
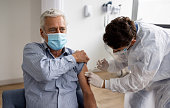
pixel 148 84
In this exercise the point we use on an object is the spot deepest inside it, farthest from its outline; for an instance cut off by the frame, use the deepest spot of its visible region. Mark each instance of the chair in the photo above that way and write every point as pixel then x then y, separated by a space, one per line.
pixel 14 99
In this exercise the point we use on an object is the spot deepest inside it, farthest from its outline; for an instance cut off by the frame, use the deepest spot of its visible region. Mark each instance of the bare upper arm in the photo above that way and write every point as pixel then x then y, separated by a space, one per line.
pixel 83 80
pixel 89 99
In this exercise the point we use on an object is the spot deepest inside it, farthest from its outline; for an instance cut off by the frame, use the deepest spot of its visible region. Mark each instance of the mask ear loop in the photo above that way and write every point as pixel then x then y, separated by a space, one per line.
pixel 45 33
pixel 129 46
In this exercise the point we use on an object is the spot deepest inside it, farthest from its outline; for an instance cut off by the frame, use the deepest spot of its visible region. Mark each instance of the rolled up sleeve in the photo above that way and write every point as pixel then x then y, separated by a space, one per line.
pixel 42 68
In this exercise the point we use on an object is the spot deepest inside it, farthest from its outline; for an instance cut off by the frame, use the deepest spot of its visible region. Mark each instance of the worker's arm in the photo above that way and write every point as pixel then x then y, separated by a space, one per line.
pixel 89 100
pixel 117 65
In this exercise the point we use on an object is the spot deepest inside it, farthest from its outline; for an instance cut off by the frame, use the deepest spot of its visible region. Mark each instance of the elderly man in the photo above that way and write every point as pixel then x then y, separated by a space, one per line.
pixel 52 72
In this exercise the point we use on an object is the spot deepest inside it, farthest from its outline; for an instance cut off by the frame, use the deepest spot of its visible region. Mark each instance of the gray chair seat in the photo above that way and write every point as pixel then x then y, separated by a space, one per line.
pixel 14 99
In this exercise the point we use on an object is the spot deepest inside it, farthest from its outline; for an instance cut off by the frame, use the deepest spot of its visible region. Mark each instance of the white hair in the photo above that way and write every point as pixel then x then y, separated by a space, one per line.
pixel 50 13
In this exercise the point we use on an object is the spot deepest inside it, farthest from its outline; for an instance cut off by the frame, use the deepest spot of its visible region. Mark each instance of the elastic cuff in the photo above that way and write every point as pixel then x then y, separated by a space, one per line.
pixel 107 84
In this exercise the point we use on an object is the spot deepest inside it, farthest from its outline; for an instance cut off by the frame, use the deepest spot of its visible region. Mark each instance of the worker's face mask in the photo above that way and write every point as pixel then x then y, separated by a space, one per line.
pixel 118 56
pixel 56 41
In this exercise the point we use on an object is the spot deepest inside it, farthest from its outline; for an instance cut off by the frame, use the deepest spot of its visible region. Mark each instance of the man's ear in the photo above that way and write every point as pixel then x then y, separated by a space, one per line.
pixel 41 33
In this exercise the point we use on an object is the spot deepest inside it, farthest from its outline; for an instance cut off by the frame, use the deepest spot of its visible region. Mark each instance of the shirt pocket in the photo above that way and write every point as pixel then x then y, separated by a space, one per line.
pixel 69 81
pixel 49 97
pixel 34 94
pixel 71 75
pixel 48 86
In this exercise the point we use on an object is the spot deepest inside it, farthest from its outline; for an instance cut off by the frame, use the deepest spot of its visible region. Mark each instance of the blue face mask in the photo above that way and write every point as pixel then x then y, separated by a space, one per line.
pixel 57 41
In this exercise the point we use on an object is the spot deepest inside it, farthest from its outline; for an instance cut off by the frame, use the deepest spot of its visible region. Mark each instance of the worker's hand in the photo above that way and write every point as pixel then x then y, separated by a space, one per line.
pixel 102 65
pixel 80 56
pixel 94 79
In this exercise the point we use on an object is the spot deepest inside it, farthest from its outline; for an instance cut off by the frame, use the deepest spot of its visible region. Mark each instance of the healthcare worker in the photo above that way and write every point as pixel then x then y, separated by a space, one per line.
pixel 145 50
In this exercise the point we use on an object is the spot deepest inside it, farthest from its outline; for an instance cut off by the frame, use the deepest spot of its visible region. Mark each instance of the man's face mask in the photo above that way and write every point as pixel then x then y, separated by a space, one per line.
pixel 56 41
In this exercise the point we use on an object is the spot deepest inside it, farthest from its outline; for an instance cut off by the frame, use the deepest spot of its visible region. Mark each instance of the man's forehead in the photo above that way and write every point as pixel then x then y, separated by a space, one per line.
pixel 57 19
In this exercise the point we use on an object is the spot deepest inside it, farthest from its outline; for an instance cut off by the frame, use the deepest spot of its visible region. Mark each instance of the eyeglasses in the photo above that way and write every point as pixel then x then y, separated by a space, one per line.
pixel 121 51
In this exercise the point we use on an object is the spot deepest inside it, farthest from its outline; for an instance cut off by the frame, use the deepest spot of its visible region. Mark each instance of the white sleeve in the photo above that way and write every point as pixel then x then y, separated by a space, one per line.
pixel 116 66
pixel 143 70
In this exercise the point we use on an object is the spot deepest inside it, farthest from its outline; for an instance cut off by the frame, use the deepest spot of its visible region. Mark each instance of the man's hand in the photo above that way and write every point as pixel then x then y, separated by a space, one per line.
pixel 103 65
pixel 94 79
pixel 80 56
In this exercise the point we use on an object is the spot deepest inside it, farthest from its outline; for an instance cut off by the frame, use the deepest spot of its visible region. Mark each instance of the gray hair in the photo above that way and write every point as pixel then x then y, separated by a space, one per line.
pixel 50 13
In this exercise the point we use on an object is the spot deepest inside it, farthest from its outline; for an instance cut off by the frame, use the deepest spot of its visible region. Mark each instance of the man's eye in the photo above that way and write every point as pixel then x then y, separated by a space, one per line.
pixel 52 30
pixel 62 29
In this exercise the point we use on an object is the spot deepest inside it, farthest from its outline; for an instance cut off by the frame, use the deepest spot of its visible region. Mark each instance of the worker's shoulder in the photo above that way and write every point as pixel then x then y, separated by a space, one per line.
pixel 34 45
pixel 150 28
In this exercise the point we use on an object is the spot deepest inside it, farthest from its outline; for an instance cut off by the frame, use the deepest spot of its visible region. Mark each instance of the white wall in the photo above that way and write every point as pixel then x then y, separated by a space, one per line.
pixel 154 11
pixel 19 24
pixel 87 32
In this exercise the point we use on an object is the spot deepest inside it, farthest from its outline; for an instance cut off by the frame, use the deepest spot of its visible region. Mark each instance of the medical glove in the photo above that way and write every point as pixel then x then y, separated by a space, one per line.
pixel 94 79
pixel 102 65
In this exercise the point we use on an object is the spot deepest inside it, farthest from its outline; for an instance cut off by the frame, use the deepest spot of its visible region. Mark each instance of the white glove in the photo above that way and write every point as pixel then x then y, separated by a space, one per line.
pixel 94 79
pixel 102 65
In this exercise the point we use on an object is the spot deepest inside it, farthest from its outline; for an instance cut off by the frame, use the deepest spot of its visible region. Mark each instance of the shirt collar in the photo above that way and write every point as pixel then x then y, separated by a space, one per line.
pixel 45 45
pixel 65 51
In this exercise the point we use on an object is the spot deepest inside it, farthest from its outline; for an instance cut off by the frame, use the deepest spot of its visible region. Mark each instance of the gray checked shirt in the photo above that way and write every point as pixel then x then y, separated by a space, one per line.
pixel 50 82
